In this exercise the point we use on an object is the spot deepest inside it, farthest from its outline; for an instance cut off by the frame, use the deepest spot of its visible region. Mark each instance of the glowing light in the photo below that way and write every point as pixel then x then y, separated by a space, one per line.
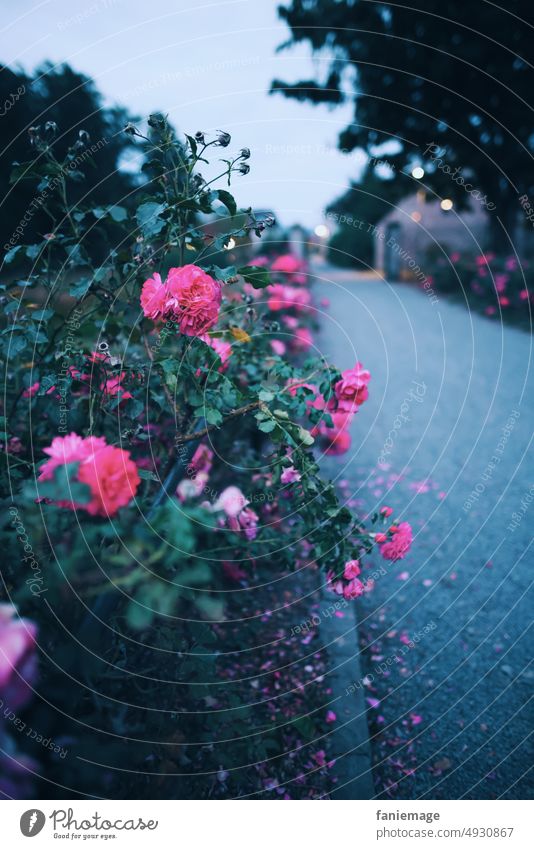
pixel 446 204
pixel 230 245
pixel 322 231
pixel 416 216
pixel 418 173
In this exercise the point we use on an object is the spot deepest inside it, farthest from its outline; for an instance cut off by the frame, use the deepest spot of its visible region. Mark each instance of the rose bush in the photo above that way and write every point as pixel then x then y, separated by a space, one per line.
pixel 500 287
pixel 165 418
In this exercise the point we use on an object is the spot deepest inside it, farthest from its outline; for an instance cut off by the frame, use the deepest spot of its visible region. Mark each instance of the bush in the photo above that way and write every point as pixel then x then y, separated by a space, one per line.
pixel 497 286
pixel 160 421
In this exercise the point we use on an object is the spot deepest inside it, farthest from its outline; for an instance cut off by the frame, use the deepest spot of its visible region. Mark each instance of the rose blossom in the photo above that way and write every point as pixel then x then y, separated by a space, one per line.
pixel 108 471
pixel 153 297
pixel 278 347
pixel 351 390
pixel 18 661
pixel 246 521
pixel 282 297
pixel 290 475
pixel 222 348
pixel 335 584
pixel 353 589
pixel 302 339
pixel 352 569
pixel 194 299
pixel 287 263
pixel 339 443
pixel 202 459
pixel 69 449
pixel 189 296
pixel 113 387
pixel 400 543
pixel 231 501
pixel 31 390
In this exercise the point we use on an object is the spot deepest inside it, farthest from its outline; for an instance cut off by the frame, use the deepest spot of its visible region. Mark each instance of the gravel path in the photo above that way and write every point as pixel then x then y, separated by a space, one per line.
pixel 444 439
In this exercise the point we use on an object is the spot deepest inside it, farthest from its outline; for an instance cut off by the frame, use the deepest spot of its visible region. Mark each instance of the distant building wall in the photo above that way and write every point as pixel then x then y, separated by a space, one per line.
pixel 417 229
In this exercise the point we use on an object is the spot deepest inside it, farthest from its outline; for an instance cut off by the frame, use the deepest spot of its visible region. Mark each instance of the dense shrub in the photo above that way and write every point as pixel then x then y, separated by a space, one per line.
pixel 500 287
pixel 161 418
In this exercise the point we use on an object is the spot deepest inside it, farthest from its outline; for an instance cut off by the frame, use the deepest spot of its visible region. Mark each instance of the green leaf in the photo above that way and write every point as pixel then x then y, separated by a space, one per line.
pixel 33 251
pixel 211 608
pixel 224 274
pixel 79 289
pixel 228 200
pixel 139 617
pixel 42 315
pixel 258 277
pixel 11 254
pixel 63 486
pixel 145 475
pixel 305 436
pixel 118 213
pixel 148 218
pixel 213 416
pixel 192 144
pixel 268 426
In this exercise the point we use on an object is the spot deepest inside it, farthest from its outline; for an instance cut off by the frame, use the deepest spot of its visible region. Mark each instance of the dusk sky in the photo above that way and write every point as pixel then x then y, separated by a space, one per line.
pixel 209 66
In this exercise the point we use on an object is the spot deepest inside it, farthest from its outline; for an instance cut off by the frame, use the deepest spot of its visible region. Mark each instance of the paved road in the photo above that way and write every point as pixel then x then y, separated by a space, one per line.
pixel 444 439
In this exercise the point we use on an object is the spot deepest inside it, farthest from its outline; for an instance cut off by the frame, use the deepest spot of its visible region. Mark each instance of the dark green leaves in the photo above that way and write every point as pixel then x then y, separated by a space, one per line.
pixel 148 217
pixel 63 486
pixel 258 277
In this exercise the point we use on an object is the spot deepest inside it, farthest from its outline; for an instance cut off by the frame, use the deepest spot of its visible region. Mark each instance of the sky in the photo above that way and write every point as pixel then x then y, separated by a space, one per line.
pixel 209 65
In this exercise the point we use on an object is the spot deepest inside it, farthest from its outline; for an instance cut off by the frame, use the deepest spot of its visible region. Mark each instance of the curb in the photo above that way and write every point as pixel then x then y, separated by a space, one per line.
pixel 351 746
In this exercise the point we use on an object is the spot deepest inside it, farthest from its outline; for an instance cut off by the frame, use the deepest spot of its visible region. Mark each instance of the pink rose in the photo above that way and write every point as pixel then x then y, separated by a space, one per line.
pixel 202 459
pixel 108 471
pixel 302 339
pixel 351 390
pixel 278 347
pixel 400 543
pixel 352 569
pixel 282 297
pixel 113 387
pixel 189 296
pixel 194 299
pixel 287 263
pixel 339 443
pixel 31 390
pixel 222 348
pixel 231 501
pixel 248 522
pixel 277 298
pixel 112 478
pixel 18 661
pixel 153 297
pixel 192 487
pixel 68 449
pixel 290 475
pixel 353 589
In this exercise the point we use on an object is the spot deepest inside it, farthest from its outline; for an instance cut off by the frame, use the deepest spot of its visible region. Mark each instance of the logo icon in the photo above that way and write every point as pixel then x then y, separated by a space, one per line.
pixel 32 822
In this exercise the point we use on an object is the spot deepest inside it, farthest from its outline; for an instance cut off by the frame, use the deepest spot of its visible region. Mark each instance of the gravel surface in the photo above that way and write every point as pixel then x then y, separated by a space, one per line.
pixel 444 439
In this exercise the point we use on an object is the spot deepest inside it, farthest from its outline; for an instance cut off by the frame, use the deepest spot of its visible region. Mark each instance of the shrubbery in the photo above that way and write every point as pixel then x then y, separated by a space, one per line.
pixel 164 421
